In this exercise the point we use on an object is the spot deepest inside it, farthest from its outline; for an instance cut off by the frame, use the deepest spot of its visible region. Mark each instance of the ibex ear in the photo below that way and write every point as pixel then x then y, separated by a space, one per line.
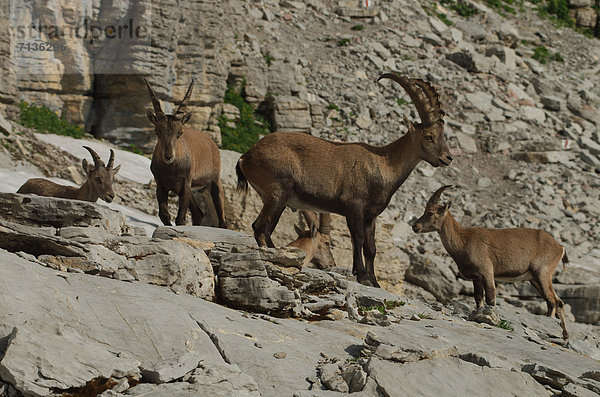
pixel 186 118
pixel 409 125
pixel 448 205
pixel 87 168
pixel 116 169
pixel 151 116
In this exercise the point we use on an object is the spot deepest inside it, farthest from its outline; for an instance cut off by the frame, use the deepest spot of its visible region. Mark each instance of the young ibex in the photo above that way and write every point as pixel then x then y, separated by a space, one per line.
pixel 355 180
pixel 316 241
pixel 183 158
pixel 98 184
pixel 483 255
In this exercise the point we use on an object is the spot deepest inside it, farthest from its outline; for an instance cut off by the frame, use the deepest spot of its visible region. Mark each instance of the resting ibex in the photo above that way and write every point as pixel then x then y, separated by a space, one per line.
pixel 355 180
pixel 483 255
pixel 98 184
pixel 183 158
pixel 316 241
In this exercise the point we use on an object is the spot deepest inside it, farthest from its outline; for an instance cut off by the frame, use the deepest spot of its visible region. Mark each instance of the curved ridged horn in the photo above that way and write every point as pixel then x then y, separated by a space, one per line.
pixel 423 95
pixel 155 101
pixel 97 160
pixel 325 223
pixel 186 98
pixel 111 159
pixel 435 197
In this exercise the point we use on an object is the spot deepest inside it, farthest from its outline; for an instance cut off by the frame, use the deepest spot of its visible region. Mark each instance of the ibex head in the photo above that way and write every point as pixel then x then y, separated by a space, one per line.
pixel 429 134
pixel 100 176
pixel 433 217
pixel 316 241
pixel 168 127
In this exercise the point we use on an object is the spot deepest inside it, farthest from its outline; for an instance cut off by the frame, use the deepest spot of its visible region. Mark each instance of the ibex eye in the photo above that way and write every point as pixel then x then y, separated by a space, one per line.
pixel 430 214
pixel 429 137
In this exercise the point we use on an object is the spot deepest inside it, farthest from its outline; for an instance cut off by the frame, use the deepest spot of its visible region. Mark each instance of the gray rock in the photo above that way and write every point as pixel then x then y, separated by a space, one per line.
pixel 583 299
pixel 49 211
pixel 291 114
pixel 452 376
pixel 486 315
pixel 552 103
pixel 5 126
pixel 35 359
pixel 433 274
pixel 245 284
pixel 168 370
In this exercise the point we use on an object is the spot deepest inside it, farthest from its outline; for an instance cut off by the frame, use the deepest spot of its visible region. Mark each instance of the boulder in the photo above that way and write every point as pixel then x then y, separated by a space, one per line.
pixel 434 274
pixel 55 212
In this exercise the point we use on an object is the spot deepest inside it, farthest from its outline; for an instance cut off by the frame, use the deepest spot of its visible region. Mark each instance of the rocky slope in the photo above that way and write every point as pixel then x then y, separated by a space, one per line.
pixel 90 307
pixel 527 147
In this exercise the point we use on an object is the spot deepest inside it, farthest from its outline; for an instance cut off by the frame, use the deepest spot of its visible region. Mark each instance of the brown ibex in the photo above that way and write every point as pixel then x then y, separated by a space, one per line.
pixel 183 158
pixel 98 184
pixel 355 180
pixel 483 255
pixel 316 241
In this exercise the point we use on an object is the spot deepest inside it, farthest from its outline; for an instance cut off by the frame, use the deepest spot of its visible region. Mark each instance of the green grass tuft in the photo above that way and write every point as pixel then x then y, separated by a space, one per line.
pixel 248 128
pixel 45 121
pixel 357 27
pixel 505 324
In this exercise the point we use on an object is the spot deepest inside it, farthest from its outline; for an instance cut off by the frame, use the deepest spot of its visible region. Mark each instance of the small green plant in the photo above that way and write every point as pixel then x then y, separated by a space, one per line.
pixel 343 42
pixel 502 5
pixel 461 8
pixel 424 316
pixel 45 121
pixel 268 58
pixel 352 359
pixel 542 55
pixel 445 19
pixel 390 305
pixel 333 106
pixel 560 8
pixel 505 324
pixel 134 149
pixel 402 102
pixel 248 128
pixel 357 27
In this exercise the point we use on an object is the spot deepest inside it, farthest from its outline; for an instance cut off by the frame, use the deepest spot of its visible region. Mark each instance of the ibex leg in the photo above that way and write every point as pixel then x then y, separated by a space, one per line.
pixel 162 196
pixel 370 250
pixel 185 195
pixel 216 192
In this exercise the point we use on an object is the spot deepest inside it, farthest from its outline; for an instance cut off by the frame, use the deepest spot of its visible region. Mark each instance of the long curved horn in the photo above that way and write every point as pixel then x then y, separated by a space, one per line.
pixel 423 95
pixel 111 159
pixel 97 160
pixel 325 223
pixel 186 98
pixel 155 101
pixel 435 197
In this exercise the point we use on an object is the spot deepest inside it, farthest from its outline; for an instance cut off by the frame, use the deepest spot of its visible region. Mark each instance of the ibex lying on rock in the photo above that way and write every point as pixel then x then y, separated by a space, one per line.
pixel 316 241
pixel 483 255
pixel 98 184
pixel 355 180
pixel 183 158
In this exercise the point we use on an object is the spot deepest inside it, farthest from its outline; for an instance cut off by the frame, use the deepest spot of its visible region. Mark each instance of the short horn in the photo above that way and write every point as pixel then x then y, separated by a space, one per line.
pixel 325 223
pixel 186 99
pixel 97 160
pixel 423 95
pixel 435 197
pixel 155 101
pixel 111 159
pixel 311 221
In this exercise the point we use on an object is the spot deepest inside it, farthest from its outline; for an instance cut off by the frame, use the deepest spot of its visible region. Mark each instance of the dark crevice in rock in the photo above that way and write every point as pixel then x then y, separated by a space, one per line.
pixel 215 341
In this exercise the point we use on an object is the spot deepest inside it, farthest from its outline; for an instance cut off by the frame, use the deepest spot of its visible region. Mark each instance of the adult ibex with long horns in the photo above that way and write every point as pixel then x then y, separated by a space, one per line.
pixel 183 158
pixel 355 180
pixel 99 182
